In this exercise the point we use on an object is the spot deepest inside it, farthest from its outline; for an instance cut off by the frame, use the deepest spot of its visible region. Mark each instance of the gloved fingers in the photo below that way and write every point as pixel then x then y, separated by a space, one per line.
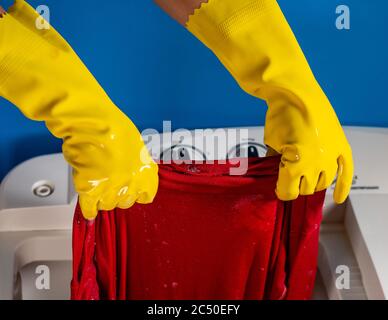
pixel 127 202
pixel 89 206
pixel 146 197
pixel 322 181
pixel 308 184
pixel 287 187
pixel 141 189
pixel 107 204
pixel 122 198
pixel 125 198
pixel 112 198
pixel 327 177
pixel 344 179
pixel 145 184
pixel 148 192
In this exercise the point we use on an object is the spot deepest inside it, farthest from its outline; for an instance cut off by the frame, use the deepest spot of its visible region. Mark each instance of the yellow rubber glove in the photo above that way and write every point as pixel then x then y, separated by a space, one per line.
pixel 46 80
pixel 255 43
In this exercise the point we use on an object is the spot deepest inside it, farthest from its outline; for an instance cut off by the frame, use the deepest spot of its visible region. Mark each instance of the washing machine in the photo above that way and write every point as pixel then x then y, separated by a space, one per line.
pixel 37 201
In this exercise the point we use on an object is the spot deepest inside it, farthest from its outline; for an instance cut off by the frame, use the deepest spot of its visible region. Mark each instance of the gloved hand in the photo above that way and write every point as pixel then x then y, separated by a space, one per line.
pixel 255 43
pixel 45 79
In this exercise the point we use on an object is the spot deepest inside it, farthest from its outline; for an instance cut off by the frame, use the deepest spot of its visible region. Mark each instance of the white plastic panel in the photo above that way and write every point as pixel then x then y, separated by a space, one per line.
pixel 367 224
pixel 39 182
pixel 37 198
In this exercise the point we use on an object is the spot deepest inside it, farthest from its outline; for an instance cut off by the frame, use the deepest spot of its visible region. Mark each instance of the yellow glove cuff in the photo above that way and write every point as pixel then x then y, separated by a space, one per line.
pixel 254 41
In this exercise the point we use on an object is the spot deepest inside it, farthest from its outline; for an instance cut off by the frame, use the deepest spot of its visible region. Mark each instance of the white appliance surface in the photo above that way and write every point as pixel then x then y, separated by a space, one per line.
pixel 37 202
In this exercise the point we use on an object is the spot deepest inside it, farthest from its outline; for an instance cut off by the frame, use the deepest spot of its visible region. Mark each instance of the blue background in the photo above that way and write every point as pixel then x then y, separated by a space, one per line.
pixel 155 70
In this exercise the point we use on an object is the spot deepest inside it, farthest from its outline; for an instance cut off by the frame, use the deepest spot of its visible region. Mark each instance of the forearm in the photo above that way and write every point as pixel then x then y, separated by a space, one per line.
pixel 254 41
pixel 45 79
pixel 2 12
pixel 180 10
pixel 242 53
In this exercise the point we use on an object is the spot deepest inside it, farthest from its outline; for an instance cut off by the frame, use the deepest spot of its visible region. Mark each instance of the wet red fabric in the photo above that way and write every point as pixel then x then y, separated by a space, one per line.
pixel 207 235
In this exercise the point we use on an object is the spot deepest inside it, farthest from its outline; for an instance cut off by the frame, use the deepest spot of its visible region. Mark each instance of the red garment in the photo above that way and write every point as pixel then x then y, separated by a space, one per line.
pixel 207 235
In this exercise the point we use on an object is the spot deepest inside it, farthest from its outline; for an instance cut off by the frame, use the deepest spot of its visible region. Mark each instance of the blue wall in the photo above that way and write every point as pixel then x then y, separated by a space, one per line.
pixel 154 70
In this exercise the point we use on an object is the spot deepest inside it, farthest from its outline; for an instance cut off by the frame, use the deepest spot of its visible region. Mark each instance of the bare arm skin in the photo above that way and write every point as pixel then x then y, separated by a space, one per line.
pixel 2 12
pixel 180 10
